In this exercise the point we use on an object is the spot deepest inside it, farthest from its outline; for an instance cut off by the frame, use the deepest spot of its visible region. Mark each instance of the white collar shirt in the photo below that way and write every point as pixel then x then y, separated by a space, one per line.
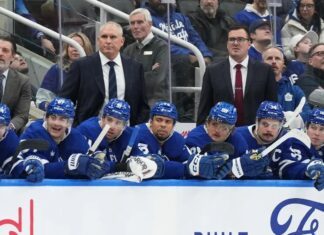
pixel 244 71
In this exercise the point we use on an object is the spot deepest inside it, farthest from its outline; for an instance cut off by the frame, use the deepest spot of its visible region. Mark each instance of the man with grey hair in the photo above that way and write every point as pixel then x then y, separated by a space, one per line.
pixel 93 80
pixel 152 52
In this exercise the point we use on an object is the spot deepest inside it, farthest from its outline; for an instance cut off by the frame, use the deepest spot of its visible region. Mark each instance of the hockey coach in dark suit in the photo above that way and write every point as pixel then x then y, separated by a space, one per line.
pixel 238 80
pixel 106 74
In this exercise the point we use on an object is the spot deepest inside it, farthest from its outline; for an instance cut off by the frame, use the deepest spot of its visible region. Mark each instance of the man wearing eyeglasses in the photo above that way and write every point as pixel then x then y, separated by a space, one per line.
pixel 313 78
pixel 238 80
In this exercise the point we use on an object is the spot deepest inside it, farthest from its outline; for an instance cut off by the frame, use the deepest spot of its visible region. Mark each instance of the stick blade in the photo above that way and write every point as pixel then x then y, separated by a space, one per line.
pixel 218 147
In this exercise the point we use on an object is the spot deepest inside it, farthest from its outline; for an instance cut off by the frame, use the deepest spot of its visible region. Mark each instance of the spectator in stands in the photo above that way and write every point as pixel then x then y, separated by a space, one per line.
pixel 289 95
pixel 236 77
pixel 22 10
pixel 93 80
pixel 258 10
pixel 152 52
pixel 15 89
pixel 303 19
pixel 299 47
pixel 313 78
pixel 261 36
pixel 183 60
pixel 19 63
pixel 212 25
pixel 52 81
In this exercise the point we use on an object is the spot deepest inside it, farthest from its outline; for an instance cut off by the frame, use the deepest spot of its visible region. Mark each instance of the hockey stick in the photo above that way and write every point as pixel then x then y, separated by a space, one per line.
pixel 294 133
pixel 100 137
pixel 218 147
pixel 38 144
pixel 297 111
pixel 129 147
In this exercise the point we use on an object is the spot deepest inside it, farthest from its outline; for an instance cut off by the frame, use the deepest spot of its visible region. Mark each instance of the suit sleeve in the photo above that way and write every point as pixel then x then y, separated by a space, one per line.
pixel 143 104
pixel 21 110
pixel 206 98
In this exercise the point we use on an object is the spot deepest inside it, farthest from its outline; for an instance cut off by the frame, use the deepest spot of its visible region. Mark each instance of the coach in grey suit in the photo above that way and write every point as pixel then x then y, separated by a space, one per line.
pixel 258 79
pixel 87 81
pixel 15 87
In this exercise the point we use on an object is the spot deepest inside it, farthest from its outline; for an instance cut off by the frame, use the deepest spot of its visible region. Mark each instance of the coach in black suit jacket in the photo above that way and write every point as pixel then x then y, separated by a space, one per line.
pixel 85 85
pixel 259 83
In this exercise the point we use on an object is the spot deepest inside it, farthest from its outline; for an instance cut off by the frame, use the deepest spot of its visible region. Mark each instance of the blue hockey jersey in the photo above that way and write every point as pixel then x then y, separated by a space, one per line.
pixel 115 149
pixel 173 150
pixel 56 155
pixel 8 146
pixel 198 138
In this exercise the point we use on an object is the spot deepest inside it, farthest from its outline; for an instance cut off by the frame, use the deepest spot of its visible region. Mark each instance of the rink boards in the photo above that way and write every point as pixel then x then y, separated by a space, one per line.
pixel 160 207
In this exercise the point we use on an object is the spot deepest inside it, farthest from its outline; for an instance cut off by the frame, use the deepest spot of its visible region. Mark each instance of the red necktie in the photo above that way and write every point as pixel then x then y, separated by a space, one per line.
pixel 238 102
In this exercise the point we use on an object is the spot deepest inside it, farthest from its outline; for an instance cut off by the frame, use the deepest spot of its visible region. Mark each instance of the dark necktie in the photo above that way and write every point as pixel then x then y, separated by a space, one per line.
pixel 1 87
pixel 112 80
pixel 238 102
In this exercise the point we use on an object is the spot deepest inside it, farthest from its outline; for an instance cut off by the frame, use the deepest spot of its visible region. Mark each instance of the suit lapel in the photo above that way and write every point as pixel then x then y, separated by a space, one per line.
pixel 227 75
pixel 127 74
pixel 249 77
pixel 98 73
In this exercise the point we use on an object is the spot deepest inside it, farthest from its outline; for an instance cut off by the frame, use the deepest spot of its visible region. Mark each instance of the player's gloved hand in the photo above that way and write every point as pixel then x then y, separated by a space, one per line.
pixel 82 164
pixel 150 166
pixel 206 166
pixel 249 164
pixel 315 171
pixel 298 122
pixel 34 169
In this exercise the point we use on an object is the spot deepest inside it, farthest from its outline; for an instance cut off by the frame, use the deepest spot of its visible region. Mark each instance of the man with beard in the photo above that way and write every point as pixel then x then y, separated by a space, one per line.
pixel 289 95
pixel 255 11
pixel 313 78
pixel 212 25
pixel 159 139
pixel 15 89
pixel 66 156
pixel 290 160
pixel 261 36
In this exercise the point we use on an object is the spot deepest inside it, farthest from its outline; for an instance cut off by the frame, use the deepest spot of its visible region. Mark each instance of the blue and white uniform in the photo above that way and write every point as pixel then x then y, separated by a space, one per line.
pixel 54 158
pixel 114 149
pixel 198 138
pixel 173 150
pixel 8 145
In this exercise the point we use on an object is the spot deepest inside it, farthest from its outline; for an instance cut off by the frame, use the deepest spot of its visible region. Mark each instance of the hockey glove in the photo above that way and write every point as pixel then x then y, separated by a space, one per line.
pixel 249 165
pixel 81 164
pixel 34 169
pixel 150 166
pixel 315 171
pixel 206 166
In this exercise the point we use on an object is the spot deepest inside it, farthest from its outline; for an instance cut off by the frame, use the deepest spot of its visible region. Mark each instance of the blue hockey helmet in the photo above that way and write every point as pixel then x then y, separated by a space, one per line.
pixel 163 108
pixel 118 109
pixel 4 114
pixel 316 116
pixel 61 107
pixel 270 109
pixel 223 112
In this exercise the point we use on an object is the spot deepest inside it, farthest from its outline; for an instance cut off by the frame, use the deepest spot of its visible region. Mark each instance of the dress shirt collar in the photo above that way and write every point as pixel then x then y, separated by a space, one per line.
pixel 146 40
pixel 244 63
pixel 5 73
pixel 105 60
